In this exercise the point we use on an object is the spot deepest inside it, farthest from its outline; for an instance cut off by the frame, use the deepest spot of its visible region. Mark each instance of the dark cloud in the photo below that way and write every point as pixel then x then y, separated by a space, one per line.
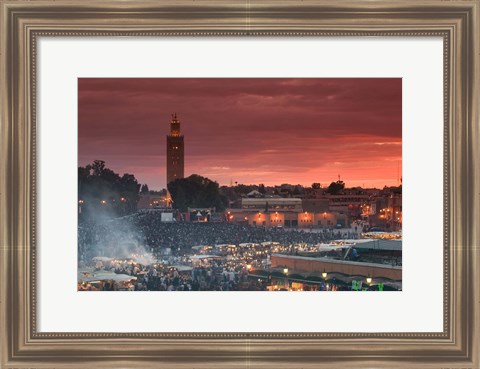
pixel 248 130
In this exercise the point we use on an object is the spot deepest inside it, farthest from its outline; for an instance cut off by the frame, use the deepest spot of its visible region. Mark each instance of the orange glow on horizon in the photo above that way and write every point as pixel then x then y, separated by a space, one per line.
pixel 259 130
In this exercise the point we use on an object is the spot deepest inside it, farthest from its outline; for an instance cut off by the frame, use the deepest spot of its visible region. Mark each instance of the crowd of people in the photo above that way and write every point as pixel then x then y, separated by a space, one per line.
pixel 189 256
pixel 111 237
pixel 216 276
pixel 145 248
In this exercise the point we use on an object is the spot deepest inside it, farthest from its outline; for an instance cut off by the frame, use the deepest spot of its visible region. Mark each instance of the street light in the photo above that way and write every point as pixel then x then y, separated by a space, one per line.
pixel 285 271
pixel 324 274
pixel 369 280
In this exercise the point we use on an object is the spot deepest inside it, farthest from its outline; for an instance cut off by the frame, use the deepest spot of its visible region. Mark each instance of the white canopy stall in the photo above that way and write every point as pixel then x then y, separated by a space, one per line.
pixel 330 247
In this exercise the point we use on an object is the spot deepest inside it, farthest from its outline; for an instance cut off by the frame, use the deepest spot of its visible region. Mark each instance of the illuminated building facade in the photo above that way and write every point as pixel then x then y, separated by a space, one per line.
pixel 285 212
pixel 175 151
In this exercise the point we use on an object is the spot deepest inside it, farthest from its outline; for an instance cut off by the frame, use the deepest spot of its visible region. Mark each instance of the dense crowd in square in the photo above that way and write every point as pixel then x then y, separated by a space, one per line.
pixel 162 256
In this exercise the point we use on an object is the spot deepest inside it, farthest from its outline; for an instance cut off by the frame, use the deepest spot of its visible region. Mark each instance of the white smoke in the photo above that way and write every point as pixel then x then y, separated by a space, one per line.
pixel 114 238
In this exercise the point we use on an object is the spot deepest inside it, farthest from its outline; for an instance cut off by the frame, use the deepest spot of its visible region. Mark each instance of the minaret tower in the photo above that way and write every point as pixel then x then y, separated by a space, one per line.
pixel 175 151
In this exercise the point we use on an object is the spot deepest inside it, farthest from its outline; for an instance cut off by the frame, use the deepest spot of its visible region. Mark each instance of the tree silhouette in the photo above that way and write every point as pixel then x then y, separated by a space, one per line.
pixel 196 192
pixel 144 189
pixel 336 187
pixel 101 191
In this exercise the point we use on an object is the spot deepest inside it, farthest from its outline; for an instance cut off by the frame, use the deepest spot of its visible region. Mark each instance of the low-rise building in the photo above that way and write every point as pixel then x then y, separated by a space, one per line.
pixel 313 265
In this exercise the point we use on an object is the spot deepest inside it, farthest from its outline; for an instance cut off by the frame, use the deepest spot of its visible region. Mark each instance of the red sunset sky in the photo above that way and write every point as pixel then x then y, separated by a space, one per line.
pixel 248 130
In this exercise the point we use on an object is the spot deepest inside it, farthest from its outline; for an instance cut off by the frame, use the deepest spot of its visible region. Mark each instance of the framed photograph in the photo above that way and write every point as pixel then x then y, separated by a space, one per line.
pixel 231 184
pixel 218 229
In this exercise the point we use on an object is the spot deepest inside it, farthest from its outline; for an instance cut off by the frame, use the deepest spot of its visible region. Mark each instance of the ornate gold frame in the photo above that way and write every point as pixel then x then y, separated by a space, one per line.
pixel 457 22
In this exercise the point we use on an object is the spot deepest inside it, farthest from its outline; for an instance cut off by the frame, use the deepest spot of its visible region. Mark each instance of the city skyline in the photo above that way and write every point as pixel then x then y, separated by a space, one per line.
pixel 248 130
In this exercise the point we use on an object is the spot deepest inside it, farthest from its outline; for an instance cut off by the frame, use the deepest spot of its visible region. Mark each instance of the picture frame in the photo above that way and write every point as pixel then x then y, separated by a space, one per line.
pixel 24 22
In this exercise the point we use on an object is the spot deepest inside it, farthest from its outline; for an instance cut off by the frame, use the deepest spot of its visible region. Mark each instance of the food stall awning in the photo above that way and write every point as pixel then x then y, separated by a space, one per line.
pixel 104 276
pixel 330 247
pixel 248 244
pixel 102 258
pixel 197 257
